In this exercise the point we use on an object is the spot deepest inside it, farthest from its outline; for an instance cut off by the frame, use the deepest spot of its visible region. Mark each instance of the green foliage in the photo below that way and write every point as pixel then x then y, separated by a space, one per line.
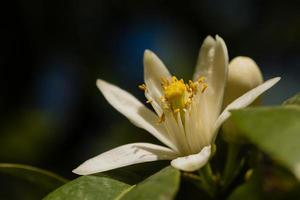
pixel 160 186
pixel 125 176
pixel 27 136
pixel 295 100
pixel 279 183
pixel 89 187
pixel 250 190
pixel 275 130
pixel 27 182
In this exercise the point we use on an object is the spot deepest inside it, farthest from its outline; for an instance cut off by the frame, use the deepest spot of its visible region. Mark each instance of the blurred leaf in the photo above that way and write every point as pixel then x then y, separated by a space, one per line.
pixel 161 186
pixel 190 188
pixel 35 175
pixel 295 100
pixel 29 182
pixel 27 136
pixel 251 190
pixel 279 183
pixel 89 187
pixel 275 130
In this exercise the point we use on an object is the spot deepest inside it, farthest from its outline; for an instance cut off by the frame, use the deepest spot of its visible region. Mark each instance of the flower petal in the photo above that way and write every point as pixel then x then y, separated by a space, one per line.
pixel 192 162
pixel 213 64
pixel 205 57
pixel 175 132
pixel 154 71
pixel 125 155
pixel 245 100
pixel 134 110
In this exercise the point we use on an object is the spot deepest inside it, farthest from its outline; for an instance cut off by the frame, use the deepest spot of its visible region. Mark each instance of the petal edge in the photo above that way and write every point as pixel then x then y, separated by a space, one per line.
pixel 125 155
pixel 134 110
pixel 192 162
pixel 244 100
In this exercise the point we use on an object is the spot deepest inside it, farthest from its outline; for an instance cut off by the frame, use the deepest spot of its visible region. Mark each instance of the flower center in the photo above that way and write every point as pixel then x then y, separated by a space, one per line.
pixel 175 92
pixel 178 95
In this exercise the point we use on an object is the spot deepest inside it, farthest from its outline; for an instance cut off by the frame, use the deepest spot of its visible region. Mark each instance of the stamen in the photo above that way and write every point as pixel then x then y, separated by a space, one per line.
pixel 177 95
pixel 149 101
pixel 177 110
pixel 201 79
pixel 143 87
pixel 204 86
pixel 161 118
pixel 164 82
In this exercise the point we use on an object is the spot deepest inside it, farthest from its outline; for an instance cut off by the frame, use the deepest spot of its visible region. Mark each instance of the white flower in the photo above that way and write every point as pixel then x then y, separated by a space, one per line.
pixel 187 115
pixel 243 75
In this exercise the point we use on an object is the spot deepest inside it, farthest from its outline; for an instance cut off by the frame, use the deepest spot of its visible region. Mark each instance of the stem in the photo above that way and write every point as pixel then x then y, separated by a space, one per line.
pixel 199 182
pixel 231 164
pixel 208 174
pixel 208 180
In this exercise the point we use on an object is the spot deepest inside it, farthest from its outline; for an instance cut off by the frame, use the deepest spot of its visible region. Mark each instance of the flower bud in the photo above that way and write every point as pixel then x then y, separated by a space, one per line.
pixel 243 75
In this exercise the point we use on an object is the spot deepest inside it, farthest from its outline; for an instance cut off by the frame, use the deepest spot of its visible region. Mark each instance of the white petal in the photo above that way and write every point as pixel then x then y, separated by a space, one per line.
pixel 125 155
pixel 205 57
pixel 154 71
pixel 245 100
pixel 175 132
pixel 196 121
pixel 192 162
pixel 213 64
pixel 134 110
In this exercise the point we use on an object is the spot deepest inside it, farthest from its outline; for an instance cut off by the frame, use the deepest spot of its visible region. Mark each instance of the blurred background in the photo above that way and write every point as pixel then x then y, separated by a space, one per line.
pixel 52 52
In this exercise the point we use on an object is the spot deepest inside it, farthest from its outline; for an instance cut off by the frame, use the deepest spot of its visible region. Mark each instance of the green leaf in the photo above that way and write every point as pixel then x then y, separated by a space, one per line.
pixel 279 183
pixel 122 175
pixel 295 100
pixel 275 130
pixel 251 190
pixel 30 182
pixel 91 188
pixel 161 186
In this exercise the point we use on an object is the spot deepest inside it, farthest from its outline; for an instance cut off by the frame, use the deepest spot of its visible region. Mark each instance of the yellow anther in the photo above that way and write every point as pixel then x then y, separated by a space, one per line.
pixel 201 79
pixel 149 101
pixel 163 99
pixel 174 78
pixel 204 86
pixel 142 87
pixel 161 118
pixel 177 110
pixel 164 82
pixel 189 101
pixel 192 86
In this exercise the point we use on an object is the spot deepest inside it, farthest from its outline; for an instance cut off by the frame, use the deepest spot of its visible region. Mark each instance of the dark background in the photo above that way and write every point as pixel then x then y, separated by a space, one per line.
pixel 52 52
